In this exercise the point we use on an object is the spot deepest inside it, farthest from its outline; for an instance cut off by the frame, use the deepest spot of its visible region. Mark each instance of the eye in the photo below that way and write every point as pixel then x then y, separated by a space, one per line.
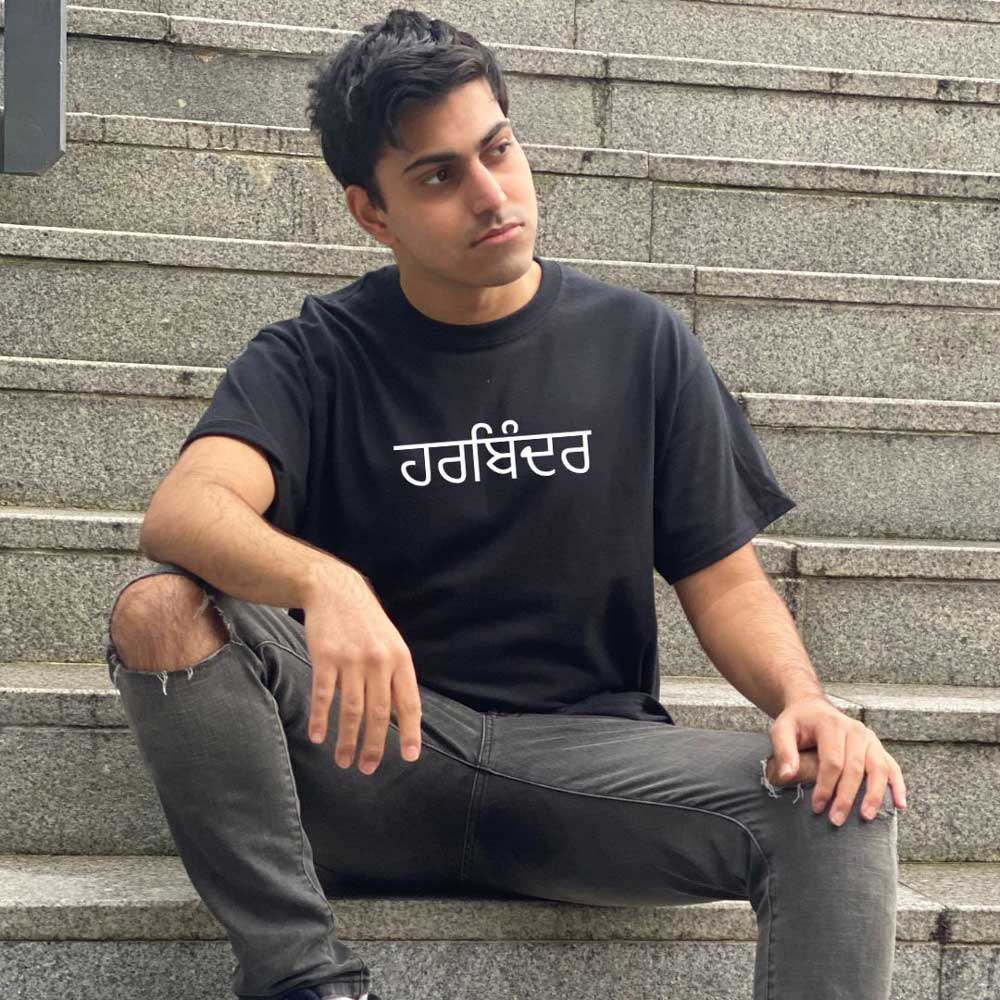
pixel 505 142
pixel 432 176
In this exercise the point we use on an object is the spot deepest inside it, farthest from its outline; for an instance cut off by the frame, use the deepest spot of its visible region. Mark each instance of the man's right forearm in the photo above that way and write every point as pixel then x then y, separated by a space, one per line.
pixel 211 531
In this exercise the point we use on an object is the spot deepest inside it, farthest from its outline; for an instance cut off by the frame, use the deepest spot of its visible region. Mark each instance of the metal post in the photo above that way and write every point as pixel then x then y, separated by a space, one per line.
pixel 33 121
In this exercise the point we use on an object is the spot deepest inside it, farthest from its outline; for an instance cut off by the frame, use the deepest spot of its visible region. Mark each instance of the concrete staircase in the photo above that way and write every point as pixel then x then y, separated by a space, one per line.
pixel 816 191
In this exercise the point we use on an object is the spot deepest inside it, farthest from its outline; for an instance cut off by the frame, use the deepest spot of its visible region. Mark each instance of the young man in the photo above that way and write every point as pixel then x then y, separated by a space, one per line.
pixel 458 472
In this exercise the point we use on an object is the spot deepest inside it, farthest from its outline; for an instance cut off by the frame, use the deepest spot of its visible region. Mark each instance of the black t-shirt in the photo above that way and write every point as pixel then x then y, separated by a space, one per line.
pixel 507 487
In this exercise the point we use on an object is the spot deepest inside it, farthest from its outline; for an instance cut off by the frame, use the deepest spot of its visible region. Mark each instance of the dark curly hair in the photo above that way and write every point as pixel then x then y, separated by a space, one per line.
pixel 362 89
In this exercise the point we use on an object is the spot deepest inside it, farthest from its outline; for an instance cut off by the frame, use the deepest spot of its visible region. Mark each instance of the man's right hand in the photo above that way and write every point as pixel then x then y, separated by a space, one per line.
pixel 353 644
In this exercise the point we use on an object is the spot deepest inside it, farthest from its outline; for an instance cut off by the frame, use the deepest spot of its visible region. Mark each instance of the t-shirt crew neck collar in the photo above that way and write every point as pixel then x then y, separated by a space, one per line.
pixel 416 326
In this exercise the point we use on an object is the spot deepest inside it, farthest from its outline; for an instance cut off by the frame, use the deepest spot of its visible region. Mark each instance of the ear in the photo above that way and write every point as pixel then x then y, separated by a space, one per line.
pixel 367 216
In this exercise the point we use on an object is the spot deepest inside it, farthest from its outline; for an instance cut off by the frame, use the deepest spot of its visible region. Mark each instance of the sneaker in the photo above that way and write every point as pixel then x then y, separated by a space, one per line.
pixel 325 991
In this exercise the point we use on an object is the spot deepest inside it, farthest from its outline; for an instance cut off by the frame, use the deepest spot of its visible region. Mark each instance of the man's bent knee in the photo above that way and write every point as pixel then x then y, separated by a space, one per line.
pixel 165 622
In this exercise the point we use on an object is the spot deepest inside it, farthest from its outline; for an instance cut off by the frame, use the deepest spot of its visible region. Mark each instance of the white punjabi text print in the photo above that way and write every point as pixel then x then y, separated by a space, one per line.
pixel 497 455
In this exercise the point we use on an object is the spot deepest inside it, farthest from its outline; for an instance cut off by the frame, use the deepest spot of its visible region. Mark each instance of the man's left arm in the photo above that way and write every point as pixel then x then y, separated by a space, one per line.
pixel 750 636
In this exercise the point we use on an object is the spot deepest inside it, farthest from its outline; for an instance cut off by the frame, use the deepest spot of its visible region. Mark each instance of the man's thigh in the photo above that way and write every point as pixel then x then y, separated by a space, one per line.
pixel 405 826
pixel 609 811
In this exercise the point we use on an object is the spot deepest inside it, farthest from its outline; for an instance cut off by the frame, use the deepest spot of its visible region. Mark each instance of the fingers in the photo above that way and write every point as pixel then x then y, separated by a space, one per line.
pixel 845 759
pixel 406 695
pixel 366 695
pixel 786 750
pixel 377 698
pixel 882 770
pixel 354 645
pixel 898 785
pixel 324 683
pixel 832 758
pixel 876 782
pixel 806 774
pixel 382 683
pixel 352 709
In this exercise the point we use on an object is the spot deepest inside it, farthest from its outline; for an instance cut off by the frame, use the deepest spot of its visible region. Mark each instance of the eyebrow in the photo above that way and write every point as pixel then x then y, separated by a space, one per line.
pixel 447 155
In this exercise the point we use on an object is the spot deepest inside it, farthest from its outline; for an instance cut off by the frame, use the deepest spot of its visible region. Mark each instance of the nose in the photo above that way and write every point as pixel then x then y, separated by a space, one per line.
pixel 487 193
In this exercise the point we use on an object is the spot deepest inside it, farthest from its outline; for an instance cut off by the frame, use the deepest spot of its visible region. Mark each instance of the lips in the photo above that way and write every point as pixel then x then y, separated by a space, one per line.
pixel 497 232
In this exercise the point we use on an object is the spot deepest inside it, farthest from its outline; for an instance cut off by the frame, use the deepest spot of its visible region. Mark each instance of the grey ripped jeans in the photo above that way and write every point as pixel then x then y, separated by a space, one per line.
pixel 588 809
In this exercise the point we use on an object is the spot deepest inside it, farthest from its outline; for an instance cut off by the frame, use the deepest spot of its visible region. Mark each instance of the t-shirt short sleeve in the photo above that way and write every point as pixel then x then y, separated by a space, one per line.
pixel 714 488
pixel 263 398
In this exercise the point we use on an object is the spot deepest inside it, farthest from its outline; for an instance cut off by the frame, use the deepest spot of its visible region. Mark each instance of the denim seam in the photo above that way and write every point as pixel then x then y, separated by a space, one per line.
pixel 620 798
pixel 475 796
pixel 281 645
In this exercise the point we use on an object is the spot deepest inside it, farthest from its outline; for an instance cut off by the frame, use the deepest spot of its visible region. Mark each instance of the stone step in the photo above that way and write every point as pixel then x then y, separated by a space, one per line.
pixel 135 926
pixel 869 610
pixel 162 299
pixel 185 178
pixel 235 71
pixel 57 719
pixel 916 36
pixel 102 434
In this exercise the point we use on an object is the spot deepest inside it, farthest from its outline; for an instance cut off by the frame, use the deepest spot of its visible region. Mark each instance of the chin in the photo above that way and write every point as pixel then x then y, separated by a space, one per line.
pixel 514 258
pixel 514 266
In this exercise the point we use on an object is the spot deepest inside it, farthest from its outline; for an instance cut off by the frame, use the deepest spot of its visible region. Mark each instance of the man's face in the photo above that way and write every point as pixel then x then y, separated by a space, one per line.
pixel 437 211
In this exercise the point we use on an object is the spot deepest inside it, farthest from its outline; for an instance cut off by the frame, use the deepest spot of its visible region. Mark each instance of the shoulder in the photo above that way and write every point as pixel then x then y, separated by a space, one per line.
pixel 640 310
pixel 657 329
pixel 598 287
pixel 347 300
pixel 315 335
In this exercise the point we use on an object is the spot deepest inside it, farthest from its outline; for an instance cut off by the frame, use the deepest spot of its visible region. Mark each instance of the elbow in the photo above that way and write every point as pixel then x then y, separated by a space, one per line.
pixel 152 532
pixel 151 538
pixel 146 544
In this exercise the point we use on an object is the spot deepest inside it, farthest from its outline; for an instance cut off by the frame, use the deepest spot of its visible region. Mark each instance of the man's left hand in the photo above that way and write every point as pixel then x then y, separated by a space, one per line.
pixel 848 751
